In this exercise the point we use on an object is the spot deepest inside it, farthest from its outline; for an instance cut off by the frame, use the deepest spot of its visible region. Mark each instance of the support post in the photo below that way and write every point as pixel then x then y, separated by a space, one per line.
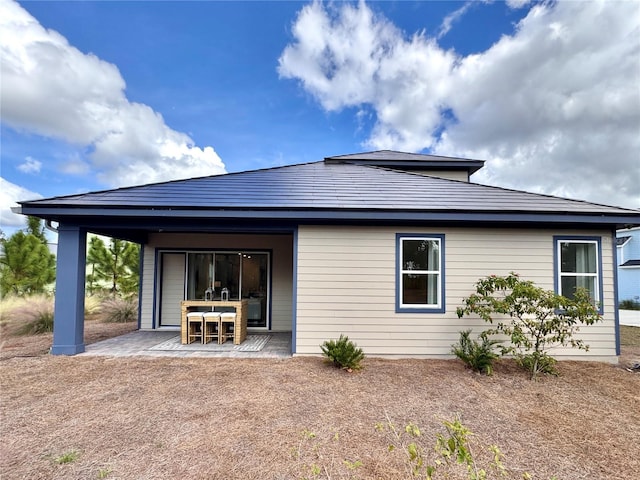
pixel 68 325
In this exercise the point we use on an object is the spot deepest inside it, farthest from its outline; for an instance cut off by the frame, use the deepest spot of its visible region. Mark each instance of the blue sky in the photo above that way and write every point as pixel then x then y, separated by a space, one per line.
pixel 99 95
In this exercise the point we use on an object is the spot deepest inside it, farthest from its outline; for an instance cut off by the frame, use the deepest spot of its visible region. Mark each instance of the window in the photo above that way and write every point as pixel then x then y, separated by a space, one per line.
pixel 242 274
pixel 578 264
pixel 420 273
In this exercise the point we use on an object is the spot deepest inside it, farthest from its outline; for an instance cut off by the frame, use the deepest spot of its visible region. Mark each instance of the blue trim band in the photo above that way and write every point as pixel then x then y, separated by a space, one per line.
pixel 294 302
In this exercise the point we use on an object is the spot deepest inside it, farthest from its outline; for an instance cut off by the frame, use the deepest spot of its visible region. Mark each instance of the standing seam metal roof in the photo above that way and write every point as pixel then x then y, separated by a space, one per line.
pixel 323 185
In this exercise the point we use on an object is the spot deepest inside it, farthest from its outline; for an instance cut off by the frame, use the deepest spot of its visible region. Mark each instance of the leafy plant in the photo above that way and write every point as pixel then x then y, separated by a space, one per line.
pixel 452 449
pixel 67 457
pixel 540 362
pixel 479 356
pixel 119 310
pixel 318 461
pixel 343 353
pixel 104 472
pixel 534 319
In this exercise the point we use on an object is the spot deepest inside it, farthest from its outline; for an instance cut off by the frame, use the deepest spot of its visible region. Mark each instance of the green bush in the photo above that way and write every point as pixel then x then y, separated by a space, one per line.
pixel 538 362
pixel 629 305
pixel 535 320
pixel 479 356
pixel 343 353
pixel 119 310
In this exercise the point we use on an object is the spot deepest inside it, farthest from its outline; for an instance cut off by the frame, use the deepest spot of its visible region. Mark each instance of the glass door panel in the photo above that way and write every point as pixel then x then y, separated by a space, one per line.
pixel 227 272
pixel 244 274
pixel 200 275
pixel 255 287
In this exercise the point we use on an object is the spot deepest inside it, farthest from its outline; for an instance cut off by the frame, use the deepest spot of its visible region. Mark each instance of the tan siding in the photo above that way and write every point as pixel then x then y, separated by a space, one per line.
pixel 346 284
pixel 449 175
pixel 281 247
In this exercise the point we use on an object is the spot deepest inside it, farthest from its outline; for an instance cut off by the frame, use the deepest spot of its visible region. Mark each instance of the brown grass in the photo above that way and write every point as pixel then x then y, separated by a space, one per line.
pixel 221 418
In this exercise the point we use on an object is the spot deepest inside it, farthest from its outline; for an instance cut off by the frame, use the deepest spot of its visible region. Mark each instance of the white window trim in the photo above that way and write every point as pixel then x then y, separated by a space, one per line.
pixel 596 275
pixel 437 307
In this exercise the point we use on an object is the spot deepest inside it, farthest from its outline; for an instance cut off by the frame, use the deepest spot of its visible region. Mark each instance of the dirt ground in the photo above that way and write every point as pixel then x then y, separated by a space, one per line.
pixel 216 418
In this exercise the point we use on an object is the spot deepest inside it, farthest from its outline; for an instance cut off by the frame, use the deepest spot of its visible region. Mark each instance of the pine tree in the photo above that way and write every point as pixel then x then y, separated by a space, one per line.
pixel 26 265
pixel 36 228
pixel 116 265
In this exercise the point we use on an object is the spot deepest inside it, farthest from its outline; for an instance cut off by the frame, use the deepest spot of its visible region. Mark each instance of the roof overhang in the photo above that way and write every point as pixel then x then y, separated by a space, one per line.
pixel 146 217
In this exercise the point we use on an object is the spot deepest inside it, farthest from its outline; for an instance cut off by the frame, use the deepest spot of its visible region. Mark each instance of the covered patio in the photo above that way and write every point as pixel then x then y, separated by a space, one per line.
pixel 167 344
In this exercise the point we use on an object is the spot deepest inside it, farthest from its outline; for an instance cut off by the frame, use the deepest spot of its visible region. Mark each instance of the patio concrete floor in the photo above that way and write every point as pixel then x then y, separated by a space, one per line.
pixel 140 343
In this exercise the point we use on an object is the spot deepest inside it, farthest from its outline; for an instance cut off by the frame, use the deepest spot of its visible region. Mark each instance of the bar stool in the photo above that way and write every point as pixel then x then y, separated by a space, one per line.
pixel 211 326
pixel 194 327
pixel 227 326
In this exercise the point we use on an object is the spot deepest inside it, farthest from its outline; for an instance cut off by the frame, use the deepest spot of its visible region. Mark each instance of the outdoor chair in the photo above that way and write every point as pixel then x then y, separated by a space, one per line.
pixel 211 323
pixel 227 326
pixel 194 327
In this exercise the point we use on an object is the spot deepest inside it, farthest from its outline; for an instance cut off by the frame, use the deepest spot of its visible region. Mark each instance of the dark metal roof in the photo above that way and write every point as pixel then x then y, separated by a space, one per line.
pixel 408 161
pixel 621 241
pixel 326 191
pixel 631 263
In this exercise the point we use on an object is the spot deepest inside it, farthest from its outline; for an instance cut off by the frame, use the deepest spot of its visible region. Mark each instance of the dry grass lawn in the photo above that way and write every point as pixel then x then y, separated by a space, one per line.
pixel 216 418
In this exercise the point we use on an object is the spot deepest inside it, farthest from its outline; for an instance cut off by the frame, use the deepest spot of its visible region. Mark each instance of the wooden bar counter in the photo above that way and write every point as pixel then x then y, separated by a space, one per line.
pixel 239 328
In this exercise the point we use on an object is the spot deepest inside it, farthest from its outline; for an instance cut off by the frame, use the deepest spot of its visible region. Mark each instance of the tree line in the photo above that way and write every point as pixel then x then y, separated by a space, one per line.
pixel 28 267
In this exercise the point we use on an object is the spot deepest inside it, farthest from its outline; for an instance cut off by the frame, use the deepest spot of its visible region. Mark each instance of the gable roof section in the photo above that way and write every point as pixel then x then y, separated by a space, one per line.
pixel 329 191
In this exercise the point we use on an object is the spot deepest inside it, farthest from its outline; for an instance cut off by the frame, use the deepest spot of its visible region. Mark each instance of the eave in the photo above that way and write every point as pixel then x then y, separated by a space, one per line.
pixel 78 214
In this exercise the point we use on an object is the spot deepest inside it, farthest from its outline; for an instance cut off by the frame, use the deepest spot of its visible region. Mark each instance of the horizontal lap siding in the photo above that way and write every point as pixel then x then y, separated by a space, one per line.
pixel 347 276
pixel 281 247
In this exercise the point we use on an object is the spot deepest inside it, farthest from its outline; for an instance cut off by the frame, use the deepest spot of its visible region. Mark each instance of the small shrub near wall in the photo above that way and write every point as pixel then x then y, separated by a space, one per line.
pixel 343 353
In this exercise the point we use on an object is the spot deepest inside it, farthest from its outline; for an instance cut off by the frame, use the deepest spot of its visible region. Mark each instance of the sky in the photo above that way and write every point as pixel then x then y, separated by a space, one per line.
pixel 100 95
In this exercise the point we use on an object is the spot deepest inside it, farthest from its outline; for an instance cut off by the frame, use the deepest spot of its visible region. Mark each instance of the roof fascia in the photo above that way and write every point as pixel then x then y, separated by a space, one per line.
pixel 75 214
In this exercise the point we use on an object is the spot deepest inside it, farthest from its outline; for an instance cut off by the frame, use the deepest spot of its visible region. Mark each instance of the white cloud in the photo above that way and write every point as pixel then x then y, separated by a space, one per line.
pixel 9 195
pixel 51 88
pixel 517 3
pixel 30 165
pixel 554 107
pixel 453 17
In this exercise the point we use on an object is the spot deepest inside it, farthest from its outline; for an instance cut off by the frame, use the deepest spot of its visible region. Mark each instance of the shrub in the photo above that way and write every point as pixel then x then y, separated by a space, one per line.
pixel 477 356
pixel 629 305
pixel 534 319
pixel 92 305
pixel 539 362
pixel 34 315
pixel 456 457
pixel 119 310
pixel 343 353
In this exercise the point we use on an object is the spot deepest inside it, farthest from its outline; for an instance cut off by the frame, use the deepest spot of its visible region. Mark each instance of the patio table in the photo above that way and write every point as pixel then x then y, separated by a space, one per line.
pixel 239 327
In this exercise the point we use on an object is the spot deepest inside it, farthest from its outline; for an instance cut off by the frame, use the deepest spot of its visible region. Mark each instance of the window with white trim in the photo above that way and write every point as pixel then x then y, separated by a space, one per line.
pixel 420 273
pixel 578 266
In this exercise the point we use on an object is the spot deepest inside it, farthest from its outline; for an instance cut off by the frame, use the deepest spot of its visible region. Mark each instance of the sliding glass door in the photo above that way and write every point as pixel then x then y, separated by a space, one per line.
pixel 242 275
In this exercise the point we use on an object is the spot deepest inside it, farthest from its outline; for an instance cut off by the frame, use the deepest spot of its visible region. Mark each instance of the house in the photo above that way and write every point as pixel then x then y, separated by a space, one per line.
pixel 382 246
pixel 628 246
